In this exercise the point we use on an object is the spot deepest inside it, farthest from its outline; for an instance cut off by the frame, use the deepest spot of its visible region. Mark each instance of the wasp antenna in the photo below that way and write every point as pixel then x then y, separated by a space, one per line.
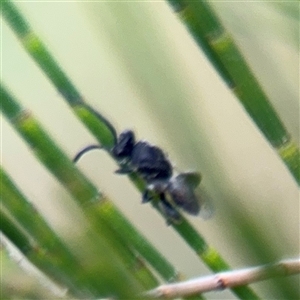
pixel 85 150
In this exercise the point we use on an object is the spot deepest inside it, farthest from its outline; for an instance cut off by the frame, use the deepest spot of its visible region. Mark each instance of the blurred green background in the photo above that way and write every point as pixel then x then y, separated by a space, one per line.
pixel 136 63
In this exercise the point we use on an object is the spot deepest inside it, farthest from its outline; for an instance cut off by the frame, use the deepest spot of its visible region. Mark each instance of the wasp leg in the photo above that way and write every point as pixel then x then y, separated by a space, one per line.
pixel 124 170
pixel 147 196
pixel 85 150
pixel 155 188
pixel 171 214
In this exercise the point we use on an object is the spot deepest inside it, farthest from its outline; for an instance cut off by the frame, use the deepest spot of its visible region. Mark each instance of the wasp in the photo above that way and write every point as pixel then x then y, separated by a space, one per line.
pixel 151 163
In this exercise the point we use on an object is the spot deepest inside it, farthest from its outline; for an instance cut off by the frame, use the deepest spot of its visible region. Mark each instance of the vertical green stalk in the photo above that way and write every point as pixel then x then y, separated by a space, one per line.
pixel 225 56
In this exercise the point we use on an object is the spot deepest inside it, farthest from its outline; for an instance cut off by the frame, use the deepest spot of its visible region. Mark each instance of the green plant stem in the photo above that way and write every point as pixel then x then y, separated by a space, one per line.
pixel 34 253
pixel 29 219
pixel 225 56
pixel 47 63
pixel 96 123
pixel 33 223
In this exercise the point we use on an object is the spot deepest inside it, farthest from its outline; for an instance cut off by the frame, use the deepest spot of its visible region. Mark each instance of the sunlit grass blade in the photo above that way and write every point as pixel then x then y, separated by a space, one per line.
pixel 225 56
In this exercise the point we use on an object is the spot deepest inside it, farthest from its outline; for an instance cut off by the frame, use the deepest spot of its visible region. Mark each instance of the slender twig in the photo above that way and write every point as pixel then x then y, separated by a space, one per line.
pixel 225 56
pixel 226 280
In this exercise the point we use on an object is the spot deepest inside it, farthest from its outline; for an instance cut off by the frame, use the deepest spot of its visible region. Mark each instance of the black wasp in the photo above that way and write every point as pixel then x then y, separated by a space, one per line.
pixel 153 166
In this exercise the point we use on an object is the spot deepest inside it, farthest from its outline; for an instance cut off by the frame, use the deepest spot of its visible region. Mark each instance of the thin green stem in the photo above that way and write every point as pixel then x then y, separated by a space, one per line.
pixel 225 56
pixel 14 233
pixel 47 63
pixel 33 223
pixel 34 253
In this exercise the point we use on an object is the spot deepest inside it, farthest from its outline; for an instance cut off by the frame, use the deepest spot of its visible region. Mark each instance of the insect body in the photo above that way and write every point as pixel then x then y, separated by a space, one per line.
pixel 153 166
pixel 148 160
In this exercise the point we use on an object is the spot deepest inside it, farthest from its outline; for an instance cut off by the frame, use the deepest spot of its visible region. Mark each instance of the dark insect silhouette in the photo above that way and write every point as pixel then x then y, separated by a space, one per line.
pixel 153 166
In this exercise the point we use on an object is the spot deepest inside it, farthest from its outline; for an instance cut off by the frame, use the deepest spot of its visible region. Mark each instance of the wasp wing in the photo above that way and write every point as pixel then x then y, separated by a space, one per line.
pixel 185 192
pixel 191 179
pixel 205 202
pixel 181 191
